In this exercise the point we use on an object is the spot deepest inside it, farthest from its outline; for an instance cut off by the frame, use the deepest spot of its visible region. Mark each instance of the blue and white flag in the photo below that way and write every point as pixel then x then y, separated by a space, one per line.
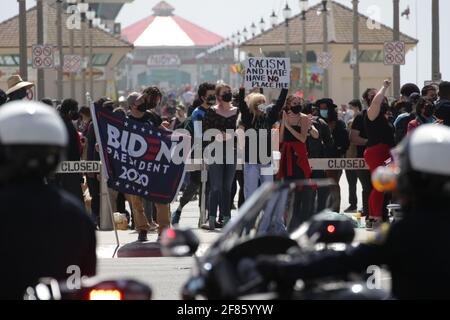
pixel 140 159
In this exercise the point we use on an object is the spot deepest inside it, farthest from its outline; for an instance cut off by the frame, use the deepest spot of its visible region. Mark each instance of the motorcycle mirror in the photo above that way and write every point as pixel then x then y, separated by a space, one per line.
pixel 179 243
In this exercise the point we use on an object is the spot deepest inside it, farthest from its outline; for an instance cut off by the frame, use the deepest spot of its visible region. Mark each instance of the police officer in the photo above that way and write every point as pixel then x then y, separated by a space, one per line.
pixel 43 230
pixel 416 248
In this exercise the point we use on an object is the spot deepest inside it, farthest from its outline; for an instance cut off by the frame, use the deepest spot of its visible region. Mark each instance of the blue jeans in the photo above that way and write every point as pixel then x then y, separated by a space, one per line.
pixel 220 177
pixel 254 175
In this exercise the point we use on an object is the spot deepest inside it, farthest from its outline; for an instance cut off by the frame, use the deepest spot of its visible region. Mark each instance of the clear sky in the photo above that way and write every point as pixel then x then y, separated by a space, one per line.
pixel 226 17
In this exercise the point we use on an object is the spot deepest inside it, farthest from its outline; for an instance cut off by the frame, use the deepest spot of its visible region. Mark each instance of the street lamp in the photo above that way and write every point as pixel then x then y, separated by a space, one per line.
pixel 325 47
pixel 23 39
pixel 303 10
pixel 287 13
pixel 72 52
pixel 90 15
pixel 355 53
pixel 83 8
pixel 262 25
pixel 254 29
pixel 245 33
pixel 273 19
pixel 238 39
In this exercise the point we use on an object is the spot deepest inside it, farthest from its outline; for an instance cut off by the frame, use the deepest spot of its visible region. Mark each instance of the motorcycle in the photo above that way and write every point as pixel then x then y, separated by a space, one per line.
pixel 89 289
pixel 228 269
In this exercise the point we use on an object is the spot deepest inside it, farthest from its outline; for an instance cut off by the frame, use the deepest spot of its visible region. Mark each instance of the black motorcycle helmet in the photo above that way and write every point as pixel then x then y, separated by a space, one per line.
pixel 32 141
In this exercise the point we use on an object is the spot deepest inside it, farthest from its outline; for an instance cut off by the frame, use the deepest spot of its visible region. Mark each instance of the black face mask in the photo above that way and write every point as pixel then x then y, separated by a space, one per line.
pixel 210 100
pixel 143 108
pixel 227 97
pixel 384 108
pixel 74 116
pixel 17 95
pixel 428 111
pixel 296 109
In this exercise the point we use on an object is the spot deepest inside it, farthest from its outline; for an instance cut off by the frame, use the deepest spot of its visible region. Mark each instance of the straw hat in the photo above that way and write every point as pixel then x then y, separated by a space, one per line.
pixel 15 83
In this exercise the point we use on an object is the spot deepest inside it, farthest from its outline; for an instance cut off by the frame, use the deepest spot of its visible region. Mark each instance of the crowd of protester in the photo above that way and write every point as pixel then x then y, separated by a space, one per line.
pixel 364 128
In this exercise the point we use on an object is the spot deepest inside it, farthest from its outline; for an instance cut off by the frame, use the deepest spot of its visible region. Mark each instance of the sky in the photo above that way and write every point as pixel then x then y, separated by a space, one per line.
pixel 226 17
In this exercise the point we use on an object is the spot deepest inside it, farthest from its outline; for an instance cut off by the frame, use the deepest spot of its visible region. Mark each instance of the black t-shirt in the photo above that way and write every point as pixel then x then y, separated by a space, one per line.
pixel 379 131
pixel 149 117
pixel 54 233
pixel 73 150
pixel 358 124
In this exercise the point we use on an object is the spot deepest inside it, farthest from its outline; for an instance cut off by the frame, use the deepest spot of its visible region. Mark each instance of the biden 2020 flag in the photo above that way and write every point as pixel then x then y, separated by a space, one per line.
pixel 141 159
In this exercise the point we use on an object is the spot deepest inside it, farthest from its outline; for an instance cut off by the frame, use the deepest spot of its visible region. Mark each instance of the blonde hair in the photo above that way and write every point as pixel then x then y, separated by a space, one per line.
pixel 291 98
pixel 253 100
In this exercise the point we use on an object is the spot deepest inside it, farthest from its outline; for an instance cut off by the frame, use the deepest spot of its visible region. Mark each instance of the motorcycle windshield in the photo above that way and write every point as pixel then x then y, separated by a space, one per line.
pixel 276 209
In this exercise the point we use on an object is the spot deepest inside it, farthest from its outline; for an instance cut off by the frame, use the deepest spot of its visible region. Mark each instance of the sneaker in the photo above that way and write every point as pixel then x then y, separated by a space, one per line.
pixel 175 219
pixel 209 225
pixel 373 223
pixel 153 226
pixel 219 224
pixel 142 236
pixel 350 209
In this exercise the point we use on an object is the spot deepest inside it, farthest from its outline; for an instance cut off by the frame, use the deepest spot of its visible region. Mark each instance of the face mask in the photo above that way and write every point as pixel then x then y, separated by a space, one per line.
pixel 429 111
pixel 142 108
pixel 227 97
pixel 384 108
pixel 296 109
pixel 351 113
pixel 324 114
pixel 74 116
pixel 262 107
pixel 211 100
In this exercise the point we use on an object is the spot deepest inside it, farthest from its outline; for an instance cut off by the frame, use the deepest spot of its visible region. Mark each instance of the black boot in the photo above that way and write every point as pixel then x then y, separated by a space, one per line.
pixel 142 236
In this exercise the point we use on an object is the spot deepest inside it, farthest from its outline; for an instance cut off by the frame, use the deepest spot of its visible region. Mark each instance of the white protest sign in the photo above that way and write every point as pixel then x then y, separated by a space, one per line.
pixel 268 73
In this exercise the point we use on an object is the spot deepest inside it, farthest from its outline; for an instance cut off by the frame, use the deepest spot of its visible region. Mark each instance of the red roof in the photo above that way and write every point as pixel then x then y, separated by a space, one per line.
pixel 189 33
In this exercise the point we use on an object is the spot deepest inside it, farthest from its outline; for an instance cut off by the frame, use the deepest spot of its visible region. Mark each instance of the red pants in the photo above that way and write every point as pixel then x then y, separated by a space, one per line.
pixel 375 157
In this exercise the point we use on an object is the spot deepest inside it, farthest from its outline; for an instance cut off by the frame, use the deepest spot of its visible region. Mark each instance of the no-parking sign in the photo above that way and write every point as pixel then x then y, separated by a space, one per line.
pixel 394 53
pixel 43 57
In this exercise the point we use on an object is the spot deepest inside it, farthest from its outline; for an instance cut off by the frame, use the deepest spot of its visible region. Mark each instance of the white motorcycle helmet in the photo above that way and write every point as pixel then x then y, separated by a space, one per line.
pixel 424 161
pixel 33 139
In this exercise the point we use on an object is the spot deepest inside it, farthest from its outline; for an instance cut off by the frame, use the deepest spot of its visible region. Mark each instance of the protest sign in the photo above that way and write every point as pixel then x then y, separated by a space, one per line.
pixel 272 73
pixel 140 159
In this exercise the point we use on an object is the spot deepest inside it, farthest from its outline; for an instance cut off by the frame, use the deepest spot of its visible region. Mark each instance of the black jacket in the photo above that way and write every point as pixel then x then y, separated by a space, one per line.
pixel 415 250
pixel 443 111
pixel 318 148
pixel 340 140
pixel 264 123
pixel 43 232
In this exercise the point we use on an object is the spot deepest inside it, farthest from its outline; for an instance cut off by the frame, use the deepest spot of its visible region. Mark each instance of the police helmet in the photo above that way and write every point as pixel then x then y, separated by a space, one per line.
pixel 33 139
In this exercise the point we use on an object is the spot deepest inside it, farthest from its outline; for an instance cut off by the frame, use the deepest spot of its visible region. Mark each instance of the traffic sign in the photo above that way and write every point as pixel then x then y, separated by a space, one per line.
pixel 72 63
pixel 394 53
pixel 43 57
pixel 324 60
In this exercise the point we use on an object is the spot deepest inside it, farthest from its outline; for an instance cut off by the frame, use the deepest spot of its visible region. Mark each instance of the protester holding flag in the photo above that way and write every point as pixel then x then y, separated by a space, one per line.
pixel 221 172
pixel 258 117
pixel 143 111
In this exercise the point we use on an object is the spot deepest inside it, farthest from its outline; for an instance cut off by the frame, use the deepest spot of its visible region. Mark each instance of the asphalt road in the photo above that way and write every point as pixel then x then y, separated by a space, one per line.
pixel 166 276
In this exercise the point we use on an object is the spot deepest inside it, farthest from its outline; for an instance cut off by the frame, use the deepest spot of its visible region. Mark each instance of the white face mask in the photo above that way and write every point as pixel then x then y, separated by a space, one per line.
pixel 351 113
pixel 263 107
